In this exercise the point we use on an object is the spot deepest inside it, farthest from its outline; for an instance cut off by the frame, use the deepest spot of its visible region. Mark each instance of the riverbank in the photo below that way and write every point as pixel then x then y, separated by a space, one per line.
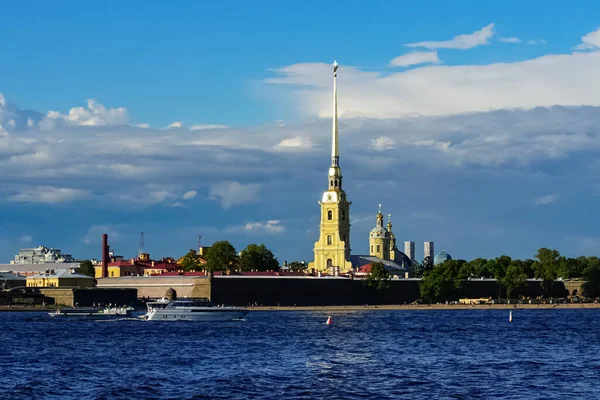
pixel 430 307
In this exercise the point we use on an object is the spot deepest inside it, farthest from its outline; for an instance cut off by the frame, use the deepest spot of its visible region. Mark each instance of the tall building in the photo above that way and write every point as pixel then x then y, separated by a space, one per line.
pixel 41 255
pixel 409 250
pixel 428 250
pixel 332 250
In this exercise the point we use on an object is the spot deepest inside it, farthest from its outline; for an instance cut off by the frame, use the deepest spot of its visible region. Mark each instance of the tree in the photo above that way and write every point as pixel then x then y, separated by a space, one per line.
pixel 191 261
pixel 221 256
pixel 297 266
pixel 418 269
pixel 255 257
pixel 591 286
pixel 86 268
pixel 443 282
pixel 546 267
pixel 571 267
pixel 514 278
pixel 379 277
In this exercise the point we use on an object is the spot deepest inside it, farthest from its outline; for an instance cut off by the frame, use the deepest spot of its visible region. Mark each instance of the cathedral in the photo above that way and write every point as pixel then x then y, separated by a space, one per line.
pixel 332 250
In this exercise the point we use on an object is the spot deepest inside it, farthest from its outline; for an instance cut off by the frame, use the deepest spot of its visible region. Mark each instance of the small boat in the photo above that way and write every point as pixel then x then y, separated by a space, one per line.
pixel 191 310
pixel 92 312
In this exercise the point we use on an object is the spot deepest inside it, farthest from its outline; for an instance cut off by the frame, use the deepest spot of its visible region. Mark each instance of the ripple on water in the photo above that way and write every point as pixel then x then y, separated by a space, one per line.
pixel 467 354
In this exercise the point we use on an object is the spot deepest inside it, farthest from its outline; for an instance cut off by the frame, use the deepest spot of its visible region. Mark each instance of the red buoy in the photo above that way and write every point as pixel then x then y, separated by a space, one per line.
pixel 328 321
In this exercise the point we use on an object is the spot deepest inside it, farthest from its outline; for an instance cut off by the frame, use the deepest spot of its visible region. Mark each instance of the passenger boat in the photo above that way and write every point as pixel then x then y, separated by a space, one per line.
pixel 92 312
pixel 191 310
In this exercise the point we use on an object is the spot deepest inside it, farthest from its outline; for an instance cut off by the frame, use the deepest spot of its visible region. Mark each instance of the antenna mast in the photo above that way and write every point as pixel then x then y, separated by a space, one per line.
pixel 141 251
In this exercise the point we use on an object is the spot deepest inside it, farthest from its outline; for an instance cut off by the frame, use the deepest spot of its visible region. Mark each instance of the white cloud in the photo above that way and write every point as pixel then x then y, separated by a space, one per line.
pixel 95 115
pixel 510 40
pixel 562 79
pixel 234 193
pixel 383 143
pixel 536 42
pixel 95 232
pixel 546 199
pixel 25 239
pixel 265 227
pixel 49 195
pixel 189 195
pixel 206 127
pixel 589 41
pixel 415 58
pixel 465 41
pixel 297 143
pixel 144 125
pixel 176 124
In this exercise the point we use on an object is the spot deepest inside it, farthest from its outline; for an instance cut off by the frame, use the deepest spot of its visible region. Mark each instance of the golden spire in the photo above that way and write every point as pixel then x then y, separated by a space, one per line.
pixel 335 155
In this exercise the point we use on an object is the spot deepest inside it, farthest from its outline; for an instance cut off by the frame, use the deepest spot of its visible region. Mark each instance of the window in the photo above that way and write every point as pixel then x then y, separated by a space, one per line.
pixel 329 239
pixel 331 183
pixel 329 263
pixel 371 248
pixel 329 215
pixel 343 215
pixel 378 248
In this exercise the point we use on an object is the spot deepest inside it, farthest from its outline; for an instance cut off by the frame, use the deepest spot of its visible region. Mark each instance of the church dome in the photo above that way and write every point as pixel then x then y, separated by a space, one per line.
pixel 378 232
pixel 442 257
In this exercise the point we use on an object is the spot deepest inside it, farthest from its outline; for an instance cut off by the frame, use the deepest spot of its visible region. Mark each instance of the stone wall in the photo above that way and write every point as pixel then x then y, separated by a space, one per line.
pixel 87 297
pixel 156 286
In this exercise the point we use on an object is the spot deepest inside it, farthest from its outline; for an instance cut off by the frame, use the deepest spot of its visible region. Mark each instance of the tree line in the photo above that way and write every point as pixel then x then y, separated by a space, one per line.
pixel 446 281
pixel 222 256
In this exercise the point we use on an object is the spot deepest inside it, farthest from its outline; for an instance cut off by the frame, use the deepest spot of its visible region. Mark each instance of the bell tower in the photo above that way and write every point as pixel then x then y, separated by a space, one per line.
pixel 332 250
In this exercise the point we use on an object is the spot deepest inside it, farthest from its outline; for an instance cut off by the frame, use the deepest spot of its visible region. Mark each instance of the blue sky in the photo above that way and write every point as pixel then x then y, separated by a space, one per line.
pixel 474 123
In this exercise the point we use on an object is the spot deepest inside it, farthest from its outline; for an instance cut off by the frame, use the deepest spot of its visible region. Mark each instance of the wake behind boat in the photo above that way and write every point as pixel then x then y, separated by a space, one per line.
pixel 191 310
pixel 92 312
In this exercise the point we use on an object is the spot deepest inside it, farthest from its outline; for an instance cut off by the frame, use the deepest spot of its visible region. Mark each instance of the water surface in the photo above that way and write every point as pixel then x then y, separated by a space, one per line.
pixel 432 354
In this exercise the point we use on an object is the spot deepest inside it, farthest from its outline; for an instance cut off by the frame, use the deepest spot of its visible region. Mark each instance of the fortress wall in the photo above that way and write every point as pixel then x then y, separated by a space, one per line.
pixel 156 286
pixel 312 291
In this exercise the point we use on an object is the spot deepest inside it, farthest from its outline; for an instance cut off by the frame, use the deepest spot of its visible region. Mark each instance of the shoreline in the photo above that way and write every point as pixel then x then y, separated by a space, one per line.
pixel 392 307
pixel 383 307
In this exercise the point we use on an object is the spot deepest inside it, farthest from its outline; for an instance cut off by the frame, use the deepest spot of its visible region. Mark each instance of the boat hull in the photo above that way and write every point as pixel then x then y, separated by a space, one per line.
pixel 215 314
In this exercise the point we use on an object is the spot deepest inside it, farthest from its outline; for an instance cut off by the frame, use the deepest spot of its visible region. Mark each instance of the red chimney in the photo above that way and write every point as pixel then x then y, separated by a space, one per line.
pixel 105 255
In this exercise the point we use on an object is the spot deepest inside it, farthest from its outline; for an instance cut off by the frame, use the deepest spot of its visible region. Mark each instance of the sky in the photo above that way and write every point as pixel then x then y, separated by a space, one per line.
pixel 476 126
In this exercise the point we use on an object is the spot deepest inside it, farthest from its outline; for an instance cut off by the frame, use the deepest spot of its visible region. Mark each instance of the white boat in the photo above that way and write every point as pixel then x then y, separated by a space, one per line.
pixel 92 312
pixel 191 310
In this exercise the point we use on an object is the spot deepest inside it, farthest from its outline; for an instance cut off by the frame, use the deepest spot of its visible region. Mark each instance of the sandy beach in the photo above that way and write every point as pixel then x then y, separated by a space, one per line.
pixel 429 307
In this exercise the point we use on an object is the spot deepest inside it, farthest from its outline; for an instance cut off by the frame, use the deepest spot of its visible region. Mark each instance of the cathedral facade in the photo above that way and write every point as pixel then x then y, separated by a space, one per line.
pixel 332 250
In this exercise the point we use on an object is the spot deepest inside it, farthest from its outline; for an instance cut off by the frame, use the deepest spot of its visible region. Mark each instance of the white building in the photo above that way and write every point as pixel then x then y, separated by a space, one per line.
pixel 428 250
pixel 41 255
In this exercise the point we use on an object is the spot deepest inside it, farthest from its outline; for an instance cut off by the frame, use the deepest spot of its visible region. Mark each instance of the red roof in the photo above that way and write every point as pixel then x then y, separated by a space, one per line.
pixel 365 268
pixel 244 273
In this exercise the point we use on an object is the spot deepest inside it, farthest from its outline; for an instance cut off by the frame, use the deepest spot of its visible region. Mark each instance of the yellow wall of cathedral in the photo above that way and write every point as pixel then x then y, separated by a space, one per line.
pixel 334 237
pixel 380 248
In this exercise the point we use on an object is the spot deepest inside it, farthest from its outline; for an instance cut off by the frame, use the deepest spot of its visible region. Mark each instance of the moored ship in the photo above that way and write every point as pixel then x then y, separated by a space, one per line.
pixel 92 312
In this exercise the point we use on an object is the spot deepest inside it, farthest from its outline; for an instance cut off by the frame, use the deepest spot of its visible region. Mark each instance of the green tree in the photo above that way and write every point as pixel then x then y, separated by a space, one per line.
pixel 546 267
pixel 191 261
pixel 418 269
pixel 379 277
pixel 443 282
pixel 591 275
pixel 221 256
pixel 86 268
pixel 297 266
pixel 477 268
pixel 514 278
pixel 258 257
pixel 571 267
